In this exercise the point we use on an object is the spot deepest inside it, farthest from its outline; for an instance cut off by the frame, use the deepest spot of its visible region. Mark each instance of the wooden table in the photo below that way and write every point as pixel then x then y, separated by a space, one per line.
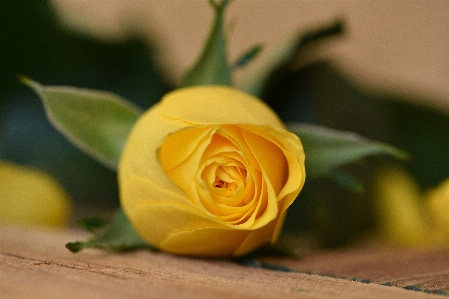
pixel 35 264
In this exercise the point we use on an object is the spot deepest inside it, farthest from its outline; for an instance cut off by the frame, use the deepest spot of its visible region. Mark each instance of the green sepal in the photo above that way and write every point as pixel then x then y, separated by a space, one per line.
pixel 116 236
pixel 96 122
pixel 248 56
pixel 327 149
pixel 212 67
pixel 92 224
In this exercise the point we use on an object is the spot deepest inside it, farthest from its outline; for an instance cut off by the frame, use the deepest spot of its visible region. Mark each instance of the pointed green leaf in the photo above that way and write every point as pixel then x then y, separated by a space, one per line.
pixel 212 66
pixel 327 149
pixel 258 77
pixel 96 122
pixel 248 56
pixel 116 236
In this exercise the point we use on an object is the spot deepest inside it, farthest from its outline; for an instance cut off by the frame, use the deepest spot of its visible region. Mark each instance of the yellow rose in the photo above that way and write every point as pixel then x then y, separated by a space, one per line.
pixel 400 215
pixel 31 197
pixel 210 171
pixel 437 202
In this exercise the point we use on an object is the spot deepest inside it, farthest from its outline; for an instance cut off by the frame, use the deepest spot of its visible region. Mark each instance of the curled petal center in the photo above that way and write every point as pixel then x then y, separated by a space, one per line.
pixel 224 179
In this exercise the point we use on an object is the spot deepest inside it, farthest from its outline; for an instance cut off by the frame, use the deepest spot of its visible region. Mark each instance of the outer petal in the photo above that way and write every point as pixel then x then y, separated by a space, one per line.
pixel 256 238
pixel 293 151
pixel 140 154
pixel 269 156
pixel 205 241
pixel 157 213
pixel 217 105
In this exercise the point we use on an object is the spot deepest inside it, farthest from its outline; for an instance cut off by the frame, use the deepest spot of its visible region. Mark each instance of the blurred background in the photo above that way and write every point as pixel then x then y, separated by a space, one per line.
pixel 384 73
pixel 386 45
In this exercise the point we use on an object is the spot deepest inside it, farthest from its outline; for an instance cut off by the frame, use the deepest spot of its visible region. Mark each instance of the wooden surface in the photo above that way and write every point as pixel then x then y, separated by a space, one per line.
pixel 35 264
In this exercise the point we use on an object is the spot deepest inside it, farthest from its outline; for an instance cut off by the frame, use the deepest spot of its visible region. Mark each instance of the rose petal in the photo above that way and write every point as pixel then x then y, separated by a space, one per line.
pixel 140 154
pixel 181 154
pixel 178 147
pixel 268 155
pixel 255 239
pixel 146 215
pixel 220 212
pixel 205 241
pixel 294 154
pixel 217 105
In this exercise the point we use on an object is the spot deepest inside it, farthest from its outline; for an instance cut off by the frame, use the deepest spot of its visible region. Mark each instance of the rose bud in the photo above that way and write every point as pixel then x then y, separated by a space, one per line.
pixel 210 171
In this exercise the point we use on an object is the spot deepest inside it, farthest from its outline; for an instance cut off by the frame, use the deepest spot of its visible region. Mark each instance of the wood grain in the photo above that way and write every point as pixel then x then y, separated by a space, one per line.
pixel 425 269
pixel 35 264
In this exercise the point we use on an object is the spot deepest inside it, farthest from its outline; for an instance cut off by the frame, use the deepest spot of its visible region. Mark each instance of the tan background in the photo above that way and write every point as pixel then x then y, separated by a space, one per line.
pixel 399 46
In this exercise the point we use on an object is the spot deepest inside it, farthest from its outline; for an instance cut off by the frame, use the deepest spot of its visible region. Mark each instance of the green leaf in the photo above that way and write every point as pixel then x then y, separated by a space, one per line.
pixel 327 149
pixel 346 180
pixel 117 236
pixel 96 122
pixel 91 224
pixel 248 56
pixel 286 51
pixel 212 66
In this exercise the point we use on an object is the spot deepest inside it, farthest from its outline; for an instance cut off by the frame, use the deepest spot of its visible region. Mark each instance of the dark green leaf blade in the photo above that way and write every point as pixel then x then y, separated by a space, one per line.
pixel 212 66
pixel 327 149
pixel 96 122
pixel 346 180
pixel 117 236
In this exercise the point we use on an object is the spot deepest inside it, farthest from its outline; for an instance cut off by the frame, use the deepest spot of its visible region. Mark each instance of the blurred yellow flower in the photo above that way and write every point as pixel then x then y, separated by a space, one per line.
pixel 437 203
pixel 405 216
pixel 31 197
pixel 210 171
